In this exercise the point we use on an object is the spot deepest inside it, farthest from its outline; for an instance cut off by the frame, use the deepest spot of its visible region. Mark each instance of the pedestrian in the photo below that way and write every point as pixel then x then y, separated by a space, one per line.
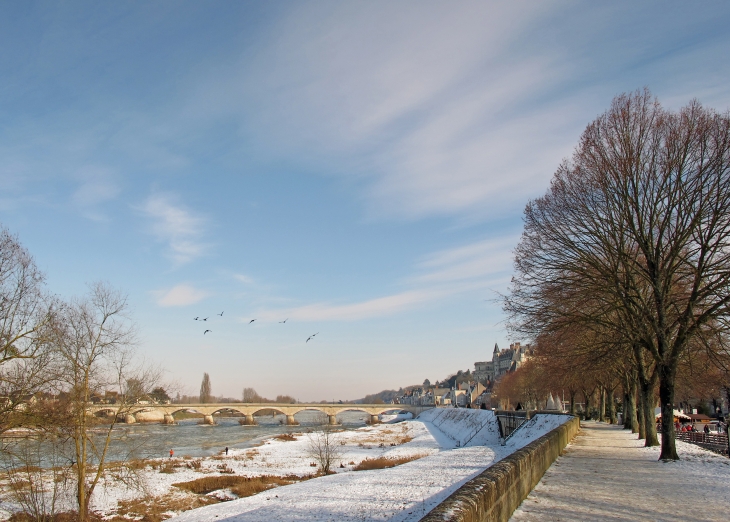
pixel 171 453
pixel 707 428
pixel 226 450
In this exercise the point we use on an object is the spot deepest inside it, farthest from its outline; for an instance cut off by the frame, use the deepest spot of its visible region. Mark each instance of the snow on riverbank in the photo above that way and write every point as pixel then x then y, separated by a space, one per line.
pixel 400 494
pixel 450 447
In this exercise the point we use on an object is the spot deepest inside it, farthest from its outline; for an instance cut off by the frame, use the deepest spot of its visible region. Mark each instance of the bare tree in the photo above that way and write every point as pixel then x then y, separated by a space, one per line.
pixel 94 346
pixel 206 394
pixel 324 448
pixel 38 475
pixel 26 313
pixel 634 236
pixel 250 395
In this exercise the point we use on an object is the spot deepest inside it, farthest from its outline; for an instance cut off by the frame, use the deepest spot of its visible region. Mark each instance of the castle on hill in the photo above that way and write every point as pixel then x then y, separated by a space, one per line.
pixel 507 360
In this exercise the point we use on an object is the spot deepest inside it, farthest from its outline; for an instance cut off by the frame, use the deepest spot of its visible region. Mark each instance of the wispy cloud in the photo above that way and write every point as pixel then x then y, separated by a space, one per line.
pixel 96 186
pixel 246 280
pixel 180 228
pixel 180 295
pixel 477 266
pixel 429 114
pixel 480 260
pixel 378 307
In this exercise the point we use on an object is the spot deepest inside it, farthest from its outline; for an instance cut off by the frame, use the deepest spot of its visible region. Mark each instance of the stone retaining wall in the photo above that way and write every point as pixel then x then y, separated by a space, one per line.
pixel 496 492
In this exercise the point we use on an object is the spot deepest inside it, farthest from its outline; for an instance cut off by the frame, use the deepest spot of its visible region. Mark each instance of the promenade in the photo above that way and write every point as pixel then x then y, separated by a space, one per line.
pixel 607 474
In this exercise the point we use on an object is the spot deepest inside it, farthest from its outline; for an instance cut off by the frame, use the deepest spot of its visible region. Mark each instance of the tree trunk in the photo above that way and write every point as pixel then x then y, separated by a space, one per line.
pixel 611 407
pixel 587 404
pixel 629 405
pixel 646 388
pixel 647 397
pixel 667 373
pixel 727 419
pixel 572 401
pixel 602 404
pixel 641 425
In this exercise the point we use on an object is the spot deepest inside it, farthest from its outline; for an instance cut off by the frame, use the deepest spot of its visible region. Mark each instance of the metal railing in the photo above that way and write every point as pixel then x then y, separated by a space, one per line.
pixel 716 442
pixel 509 421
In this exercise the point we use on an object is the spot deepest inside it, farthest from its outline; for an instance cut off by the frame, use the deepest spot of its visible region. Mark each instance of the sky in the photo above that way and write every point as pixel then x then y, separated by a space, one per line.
pixel 358 169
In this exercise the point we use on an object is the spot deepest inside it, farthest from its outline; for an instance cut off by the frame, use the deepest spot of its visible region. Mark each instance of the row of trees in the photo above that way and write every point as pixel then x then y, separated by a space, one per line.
pixel 249 395
pixel 622 274
pixel 56 357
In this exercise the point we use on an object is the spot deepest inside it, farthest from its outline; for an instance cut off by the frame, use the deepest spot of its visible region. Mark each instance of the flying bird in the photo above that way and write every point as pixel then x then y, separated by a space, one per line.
pixel 310 337
pixel 221 314
pixel 251 321
pixel 196 319
pixel 205 332
pixel 204 319
pixel 285 320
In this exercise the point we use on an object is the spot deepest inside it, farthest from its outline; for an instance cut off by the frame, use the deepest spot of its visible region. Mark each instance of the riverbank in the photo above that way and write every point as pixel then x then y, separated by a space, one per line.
pixel 438 452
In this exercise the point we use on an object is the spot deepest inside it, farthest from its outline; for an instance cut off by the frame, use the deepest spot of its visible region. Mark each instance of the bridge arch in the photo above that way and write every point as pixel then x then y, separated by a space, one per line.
pixel 277 410
pixel 227 409
pixel 173 411
pixel 310 408
pixel 105 412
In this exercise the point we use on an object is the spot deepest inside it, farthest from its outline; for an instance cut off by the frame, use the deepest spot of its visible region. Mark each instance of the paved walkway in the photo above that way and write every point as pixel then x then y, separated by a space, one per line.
pixel 607 474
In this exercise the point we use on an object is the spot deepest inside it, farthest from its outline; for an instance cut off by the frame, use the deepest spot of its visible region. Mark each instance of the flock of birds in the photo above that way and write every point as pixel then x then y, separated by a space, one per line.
pixel 251 321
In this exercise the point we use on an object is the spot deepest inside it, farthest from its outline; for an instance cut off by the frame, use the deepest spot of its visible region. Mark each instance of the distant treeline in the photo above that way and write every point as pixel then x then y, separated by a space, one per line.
pixel 249 395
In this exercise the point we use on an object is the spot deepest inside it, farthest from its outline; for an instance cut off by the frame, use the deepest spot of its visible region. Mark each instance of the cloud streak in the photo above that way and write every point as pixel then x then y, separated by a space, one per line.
pixel 476 266
pixel 180 228
pixel 180 295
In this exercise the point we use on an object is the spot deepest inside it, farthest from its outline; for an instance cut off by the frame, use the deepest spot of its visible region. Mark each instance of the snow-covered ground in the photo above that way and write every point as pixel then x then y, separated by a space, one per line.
pixel 607 474
pixel 450 446
pixel 461 444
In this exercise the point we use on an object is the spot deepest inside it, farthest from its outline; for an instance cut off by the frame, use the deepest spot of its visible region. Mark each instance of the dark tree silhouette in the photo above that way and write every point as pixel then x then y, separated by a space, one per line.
pixel 634 236
pixel 206 395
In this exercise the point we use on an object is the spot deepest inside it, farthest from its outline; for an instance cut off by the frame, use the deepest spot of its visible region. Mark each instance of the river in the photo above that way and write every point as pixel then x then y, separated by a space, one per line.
pixel 186 438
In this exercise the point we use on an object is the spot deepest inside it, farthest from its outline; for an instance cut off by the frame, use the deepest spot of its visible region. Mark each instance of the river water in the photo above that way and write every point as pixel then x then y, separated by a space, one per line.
pixel 187 437
pixel 190 438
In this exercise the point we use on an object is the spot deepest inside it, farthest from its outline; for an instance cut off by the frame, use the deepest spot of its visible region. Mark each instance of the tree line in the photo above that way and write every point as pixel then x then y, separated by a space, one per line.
pixel 622 273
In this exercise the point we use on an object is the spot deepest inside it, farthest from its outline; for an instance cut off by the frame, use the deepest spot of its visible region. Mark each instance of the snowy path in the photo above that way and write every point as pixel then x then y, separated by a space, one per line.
pixel 607 474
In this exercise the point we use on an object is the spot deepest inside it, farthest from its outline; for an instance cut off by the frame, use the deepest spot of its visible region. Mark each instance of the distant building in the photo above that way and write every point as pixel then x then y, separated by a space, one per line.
pixel 507 360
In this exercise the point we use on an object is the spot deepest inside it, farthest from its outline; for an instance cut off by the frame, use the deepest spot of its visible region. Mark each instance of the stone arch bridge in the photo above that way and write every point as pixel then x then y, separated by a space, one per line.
pixel 248 410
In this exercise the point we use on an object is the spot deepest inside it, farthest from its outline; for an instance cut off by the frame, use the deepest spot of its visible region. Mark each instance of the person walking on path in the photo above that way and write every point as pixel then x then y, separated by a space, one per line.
pixel 226 450
pixel 171 453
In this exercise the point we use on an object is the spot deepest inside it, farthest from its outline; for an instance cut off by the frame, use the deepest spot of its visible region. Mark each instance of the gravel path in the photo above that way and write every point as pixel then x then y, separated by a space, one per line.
pixel 607 474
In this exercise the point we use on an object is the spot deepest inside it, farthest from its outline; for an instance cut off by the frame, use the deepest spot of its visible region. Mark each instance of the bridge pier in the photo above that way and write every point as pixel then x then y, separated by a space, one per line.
pixel 291 421
pixel 208 419
pixel 332 420
pixel 129 418
pixel 169 419
pixel 247 420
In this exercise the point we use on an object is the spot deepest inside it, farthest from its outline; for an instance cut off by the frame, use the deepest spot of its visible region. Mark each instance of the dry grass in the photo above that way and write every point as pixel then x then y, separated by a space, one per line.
pixel 224 468
pixel 60 517
pixel 239 486
pixel 194 464
pixel 286 437
pixel 385 462
pixel 156 509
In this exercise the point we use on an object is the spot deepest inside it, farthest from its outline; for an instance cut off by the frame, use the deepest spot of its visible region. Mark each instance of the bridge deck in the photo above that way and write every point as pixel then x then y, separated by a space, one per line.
pixel 607 474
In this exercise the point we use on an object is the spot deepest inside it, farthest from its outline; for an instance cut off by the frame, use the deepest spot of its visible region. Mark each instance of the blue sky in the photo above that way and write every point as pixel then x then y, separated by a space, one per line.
pixel 359 168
